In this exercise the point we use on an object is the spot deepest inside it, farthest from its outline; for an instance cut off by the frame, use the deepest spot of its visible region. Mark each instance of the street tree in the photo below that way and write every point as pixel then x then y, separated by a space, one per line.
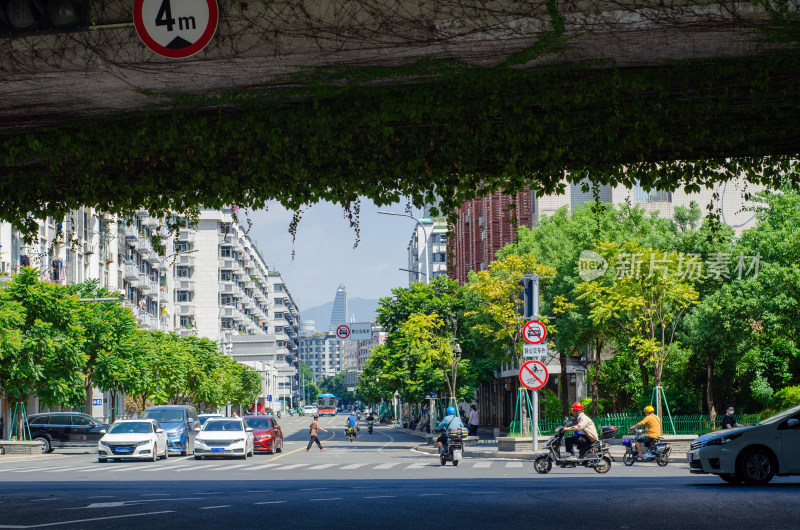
pixel 41 341
pixel 645 293
pixel 499 288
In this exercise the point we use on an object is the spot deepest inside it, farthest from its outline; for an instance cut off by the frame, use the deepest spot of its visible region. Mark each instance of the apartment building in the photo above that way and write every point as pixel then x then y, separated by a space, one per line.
pixel 427 250
pixel 211 282
pixel 321 352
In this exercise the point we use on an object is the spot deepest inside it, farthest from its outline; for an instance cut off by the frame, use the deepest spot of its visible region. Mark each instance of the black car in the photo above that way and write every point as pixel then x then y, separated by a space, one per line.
pixel 65 429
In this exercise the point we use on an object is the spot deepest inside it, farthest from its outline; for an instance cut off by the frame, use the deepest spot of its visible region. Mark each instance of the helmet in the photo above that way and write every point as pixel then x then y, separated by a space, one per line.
pixel 577 406
pixel 649 408
pixel 316 415
pixel 451 411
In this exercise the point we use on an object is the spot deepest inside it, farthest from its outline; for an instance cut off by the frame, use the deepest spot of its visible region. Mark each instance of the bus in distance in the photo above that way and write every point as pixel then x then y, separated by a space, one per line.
pixel 326 405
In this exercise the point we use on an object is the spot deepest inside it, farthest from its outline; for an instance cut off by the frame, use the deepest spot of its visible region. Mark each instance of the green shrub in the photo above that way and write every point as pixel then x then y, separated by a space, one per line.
pixel 786 398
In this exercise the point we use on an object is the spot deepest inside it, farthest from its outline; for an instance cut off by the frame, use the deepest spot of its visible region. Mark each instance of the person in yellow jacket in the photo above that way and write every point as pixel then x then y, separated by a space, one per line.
pixel 653 425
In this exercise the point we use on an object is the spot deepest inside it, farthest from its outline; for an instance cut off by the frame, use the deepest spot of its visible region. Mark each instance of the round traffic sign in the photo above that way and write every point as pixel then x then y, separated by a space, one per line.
pixel 533 375
pixel 175 28
pixel 534 332
pixel 343 331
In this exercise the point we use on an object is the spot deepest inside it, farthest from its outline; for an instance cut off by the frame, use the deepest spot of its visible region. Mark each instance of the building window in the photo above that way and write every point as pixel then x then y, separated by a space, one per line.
pixel 182 246
pixel 186 323
pixel 183 272
pixel 182 296
pixel 439 257
pixel 226 276
pixel 640 195
pixel 225 252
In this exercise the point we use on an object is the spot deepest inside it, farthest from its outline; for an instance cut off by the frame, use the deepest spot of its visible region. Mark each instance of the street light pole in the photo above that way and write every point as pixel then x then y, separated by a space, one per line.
pixel 158 302
pixel 425 246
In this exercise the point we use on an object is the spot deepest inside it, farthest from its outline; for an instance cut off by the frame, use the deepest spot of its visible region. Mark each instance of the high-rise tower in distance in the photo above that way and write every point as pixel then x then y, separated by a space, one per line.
pixel 339 311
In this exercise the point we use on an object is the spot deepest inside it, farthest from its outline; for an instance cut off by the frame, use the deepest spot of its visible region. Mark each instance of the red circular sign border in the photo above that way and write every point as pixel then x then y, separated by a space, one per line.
pixel 340 327
pixel 546 371
pixel 202 42
pixel 525 337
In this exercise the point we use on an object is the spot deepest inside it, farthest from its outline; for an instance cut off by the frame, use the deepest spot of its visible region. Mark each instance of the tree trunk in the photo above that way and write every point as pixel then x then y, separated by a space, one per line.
pixel 562 359
pixel 89 394
pixel 523 411
pixel 596 382
pixel 20 419
pixel 113 405
pixel 712 412
pixel 643 371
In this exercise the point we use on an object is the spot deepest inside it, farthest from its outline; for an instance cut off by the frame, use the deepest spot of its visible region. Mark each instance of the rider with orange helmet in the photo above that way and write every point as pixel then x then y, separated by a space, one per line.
pixel 585 431
pixel 653 424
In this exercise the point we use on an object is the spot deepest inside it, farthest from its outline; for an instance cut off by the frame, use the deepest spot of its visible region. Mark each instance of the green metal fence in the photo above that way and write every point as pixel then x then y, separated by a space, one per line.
pixel 696 424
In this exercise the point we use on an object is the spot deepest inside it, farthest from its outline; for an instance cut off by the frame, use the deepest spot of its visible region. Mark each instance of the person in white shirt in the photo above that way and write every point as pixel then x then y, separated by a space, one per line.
pixel 473 423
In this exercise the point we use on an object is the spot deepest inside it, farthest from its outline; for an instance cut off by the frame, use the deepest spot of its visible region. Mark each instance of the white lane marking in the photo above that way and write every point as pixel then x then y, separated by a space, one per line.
pixel 46 499
pixel 210 493
pixel 155 494
pixel 483 465
pixel 204 467
pixel 101 497
pixel 115 504
pixel 322 466
pixel 34 470
pixel 237 466
pixel 313 489
pixel 591 491
pixel 386 466
pixel 418 465
pixel 215 507
pixel 352 466
pixel 514 464
pixel 265 466
pixel 291 466
pixel 327 499
pixel 60 523
pixel 270 502
pixel 431 495
pixel 382 497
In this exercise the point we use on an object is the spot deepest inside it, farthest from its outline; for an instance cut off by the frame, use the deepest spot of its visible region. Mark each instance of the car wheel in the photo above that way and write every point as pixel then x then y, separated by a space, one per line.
pixel 166 452
pixel 756 467
pixel 46 447
pixel 279 448
pixel 731 479
pixel 102 460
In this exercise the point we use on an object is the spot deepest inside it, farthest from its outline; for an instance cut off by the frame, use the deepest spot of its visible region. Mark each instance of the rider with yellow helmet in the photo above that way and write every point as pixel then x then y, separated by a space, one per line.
pixel 653 425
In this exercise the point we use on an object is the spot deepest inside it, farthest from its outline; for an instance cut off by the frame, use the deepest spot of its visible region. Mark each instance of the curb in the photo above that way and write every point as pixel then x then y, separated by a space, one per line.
pixel 521 455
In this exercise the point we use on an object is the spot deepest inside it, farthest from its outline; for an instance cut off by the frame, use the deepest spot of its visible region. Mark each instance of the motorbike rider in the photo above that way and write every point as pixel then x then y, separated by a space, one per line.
pixel 352 423
pixel 585 432
pixel 653 425
pixel 449 423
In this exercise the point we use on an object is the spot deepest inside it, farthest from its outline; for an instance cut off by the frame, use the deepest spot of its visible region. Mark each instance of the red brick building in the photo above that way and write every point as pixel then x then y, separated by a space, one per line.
pixel 484 226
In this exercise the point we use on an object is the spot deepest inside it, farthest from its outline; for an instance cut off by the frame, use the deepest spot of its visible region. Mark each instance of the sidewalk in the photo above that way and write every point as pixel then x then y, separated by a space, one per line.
pixel 487 448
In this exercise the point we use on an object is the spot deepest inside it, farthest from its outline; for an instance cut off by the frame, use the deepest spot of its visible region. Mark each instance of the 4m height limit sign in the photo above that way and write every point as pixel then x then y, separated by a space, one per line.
pixel 175 28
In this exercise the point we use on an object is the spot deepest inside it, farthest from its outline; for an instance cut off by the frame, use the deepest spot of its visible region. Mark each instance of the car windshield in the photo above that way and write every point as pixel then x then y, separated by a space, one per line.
pixel 223 425
pixel 259 423
pixel 779 416
pixel 164 415
pixel 204 419
pixel 134 427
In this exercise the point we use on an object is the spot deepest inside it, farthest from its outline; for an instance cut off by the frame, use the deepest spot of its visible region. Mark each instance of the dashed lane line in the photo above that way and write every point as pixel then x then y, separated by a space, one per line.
pixel 386 466
pixel 62 523
pixel 322 466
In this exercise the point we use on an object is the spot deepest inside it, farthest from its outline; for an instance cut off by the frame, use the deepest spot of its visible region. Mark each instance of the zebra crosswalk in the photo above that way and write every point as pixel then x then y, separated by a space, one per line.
pixel 179 466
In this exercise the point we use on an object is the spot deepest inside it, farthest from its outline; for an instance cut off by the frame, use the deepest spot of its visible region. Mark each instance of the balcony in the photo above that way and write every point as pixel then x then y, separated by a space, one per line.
pixel 186 235
pixel 226 239
pixel 226 263
pixel 187 332
pixel 229 288
pixel 185 260
pixel 131 272
pixel 130 233
pixel 184 309
pixel 185 285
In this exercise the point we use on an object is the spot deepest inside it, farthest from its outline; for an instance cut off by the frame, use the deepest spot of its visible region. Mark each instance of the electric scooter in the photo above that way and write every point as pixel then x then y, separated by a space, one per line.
pixel 369 426
pixel 657 451
pixel 453 448
pixel 597 456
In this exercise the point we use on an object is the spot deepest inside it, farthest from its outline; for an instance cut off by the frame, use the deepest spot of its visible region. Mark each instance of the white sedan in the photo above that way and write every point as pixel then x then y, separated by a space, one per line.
pixel 224 437
pixel 751 454
pixel 141 439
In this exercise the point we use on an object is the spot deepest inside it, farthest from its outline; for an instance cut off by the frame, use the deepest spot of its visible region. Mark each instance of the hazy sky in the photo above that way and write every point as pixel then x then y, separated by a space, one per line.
pixel 324 253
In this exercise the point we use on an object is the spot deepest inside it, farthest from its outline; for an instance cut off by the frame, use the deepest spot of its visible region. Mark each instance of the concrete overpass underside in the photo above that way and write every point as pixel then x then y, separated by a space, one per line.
pixel 293 98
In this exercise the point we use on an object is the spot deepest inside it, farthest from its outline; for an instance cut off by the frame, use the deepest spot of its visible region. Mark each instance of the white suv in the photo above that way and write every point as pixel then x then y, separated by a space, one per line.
pixel 751 454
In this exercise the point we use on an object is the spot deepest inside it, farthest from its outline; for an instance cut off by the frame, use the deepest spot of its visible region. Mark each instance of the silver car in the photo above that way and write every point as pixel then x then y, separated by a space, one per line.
pixel 228 437
pixel 752 454
pixel 138 439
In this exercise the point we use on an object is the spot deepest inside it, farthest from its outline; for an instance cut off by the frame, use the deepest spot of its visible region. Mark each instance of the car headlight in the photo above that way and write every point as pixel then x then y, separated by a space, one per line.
pixel 199 441
pixel 264 437
pixel 176 432
pixel 146 442
pixel 724 439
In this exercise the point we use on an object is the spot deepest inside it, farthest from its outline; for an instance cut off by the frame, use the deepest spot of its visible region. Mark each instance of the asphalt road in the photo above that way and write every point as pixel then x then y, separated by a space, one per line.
pixel 377 480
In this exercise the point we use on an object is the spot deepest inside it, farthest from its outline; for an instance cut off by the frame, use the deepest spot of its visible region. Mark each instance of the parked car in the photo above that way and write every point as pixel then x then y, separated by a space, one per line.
pixel 752 454
pixel 140 439
pixel 180 423
pixel 267 434
pixel 65 429
pixel 224 437
pixel 309 409
pixel 204 417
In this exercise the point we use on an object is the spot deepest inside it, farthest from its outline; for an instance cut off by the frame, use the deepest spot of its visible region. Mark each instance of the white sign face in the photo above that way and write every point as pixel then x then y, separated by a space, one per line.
pixel 361 331
pixel 175 28
pixel 538 351
pixel 533 375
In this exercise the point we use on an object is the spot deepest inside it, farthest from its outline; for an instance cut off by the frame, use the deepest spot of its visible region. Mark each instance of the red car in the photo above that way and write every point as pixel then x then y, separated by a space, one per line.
pixel 267 434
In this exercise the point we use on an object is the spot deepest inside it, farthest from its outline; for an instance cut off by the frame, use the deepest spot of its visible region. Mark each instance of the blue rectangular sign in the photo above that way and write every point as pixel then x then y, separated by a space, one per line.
pixel 97 401
pixel 269 397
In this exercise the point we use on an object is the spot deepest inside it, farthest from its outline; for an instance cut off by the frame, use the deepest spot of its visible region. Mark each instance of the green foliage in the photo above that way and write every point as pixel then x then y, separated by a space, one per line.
pixel 786 398
pixel 457 131
pixel 551 405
